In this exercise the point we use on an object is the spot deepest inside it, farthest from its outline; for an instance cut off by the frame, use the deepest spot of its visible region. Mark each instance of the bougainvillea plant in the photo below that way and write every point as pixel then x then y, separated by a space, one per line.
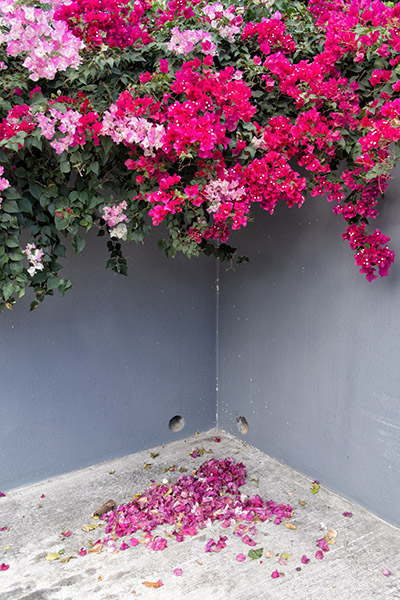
pixel 128 114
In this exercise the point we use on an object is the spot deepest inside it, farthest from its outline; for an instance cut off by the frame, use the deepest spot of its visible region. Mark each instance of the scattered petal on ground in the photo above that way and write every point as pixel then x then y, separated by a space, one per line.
pixel 386 572
pixel 275 575
pixel 2 494
pixel 240 557
pixel 305 560
pixel 319 555
pixel 178 572
pixel 4 567
pixel 269 554
pixel 347 514
pixel 153 584
pixel 217 439
pixel 66 533
pixel 133 541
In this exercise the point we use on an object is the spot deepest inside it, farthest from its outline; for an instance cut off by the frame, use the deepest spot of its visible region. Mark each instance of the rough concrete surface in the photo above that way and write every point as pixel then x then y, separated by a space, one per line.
pixel 351 570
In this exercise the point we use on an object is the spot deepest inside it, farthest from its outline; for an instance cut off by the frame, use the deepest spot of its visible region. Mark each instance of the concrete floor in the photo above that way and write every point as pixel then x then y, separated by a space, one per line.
pixel 353 569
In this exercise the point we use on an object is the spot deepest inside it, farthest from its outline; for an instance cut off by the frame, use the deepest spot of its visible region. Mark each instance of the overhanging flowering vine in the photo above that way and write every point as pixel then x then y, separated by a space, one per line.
pixel 125 114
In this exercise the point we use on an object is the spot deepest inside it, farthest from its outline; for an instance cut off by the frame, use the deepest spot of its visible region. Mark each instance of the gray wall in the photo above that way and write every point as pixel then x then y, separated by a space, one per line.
pixel 99 373
pixel 309 352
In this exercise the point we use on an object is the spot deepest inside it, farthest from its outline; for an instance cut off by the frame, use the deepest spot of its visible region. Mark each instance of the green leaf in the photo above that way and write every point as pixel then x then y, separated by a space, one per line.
pixel 11 194
pixel 254 554
pixel 10 206
pixel 94 166
pixel 8 289
pixel 16 255
pixel 53 282
pixel 78 244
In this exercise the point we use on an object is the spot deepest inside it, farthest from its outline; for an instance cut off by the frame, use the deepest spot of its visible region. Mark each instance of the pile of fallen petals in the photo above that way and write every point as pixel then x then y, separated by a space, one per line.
pixel 210 494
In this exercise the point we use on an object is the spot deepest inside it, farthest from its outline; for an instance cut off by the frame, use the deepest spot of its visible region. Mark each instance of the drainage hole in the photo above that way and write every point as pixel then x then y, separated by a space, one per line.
pixel 242 425
pixel 176 423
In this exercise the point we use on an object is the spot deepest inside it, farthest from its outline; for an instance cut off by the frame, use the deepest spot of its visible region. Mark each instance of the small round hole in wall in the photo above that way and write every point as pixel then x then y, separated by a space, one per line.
pixel 242 425
pixel 176 423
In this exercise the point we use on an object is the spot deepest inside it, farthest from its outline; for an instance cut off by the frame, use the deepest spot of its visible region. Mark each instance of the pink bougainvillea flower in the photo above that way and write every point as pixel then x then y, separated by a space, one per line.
pixel 43 496
pixel 240 557
pixel 36 90
pixel 319 555
pixel 178 572
pixel 386 572
pixel 305 560
pixel 275 575
pixel 2 494
pixel 18 91
pixel 163 65
pixel 82 552
pixel 217 439
pixel 4 567
pixel 347 514
pixel 124 546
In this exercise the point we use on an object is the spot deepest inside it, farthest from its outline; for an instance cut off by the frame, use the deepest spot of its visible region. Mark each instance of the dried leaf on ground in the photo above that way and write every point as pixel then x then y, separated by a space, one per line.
pixel 88 528
pixel 153 584
pixel 105 508
pixel 290 526
pixel 315 487
pixel 52 556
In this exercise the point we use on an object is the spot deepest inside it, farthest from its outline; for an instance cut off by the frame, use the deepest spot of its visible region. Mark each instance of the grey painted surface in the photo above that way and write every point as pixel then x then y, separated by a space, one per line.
pixel 99 373
pixel 309 352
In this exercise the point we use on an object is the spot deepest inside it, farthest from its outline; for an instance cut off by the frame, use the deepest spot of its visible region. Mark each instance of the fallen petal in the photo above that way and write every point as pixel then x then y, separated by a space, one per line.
pixel 319 555
pixel 66 533
pixel 240 557
pixel 4 567
pixel 178 572
pixel 386 572
pixel 347 514
pixel 305 560
pixel 275 574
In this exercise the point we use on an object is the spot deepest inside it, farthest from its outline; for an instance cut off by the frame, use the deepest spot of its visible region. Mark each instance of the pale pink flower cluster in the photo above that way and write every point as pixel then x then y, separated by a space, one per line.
pixel 115 214
pixel 34 256
pixel 4 184
pixel 183 42
pixel 222 190
pixel 133 130
pixel 65 122
pixel 48 44
pixel 218 15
